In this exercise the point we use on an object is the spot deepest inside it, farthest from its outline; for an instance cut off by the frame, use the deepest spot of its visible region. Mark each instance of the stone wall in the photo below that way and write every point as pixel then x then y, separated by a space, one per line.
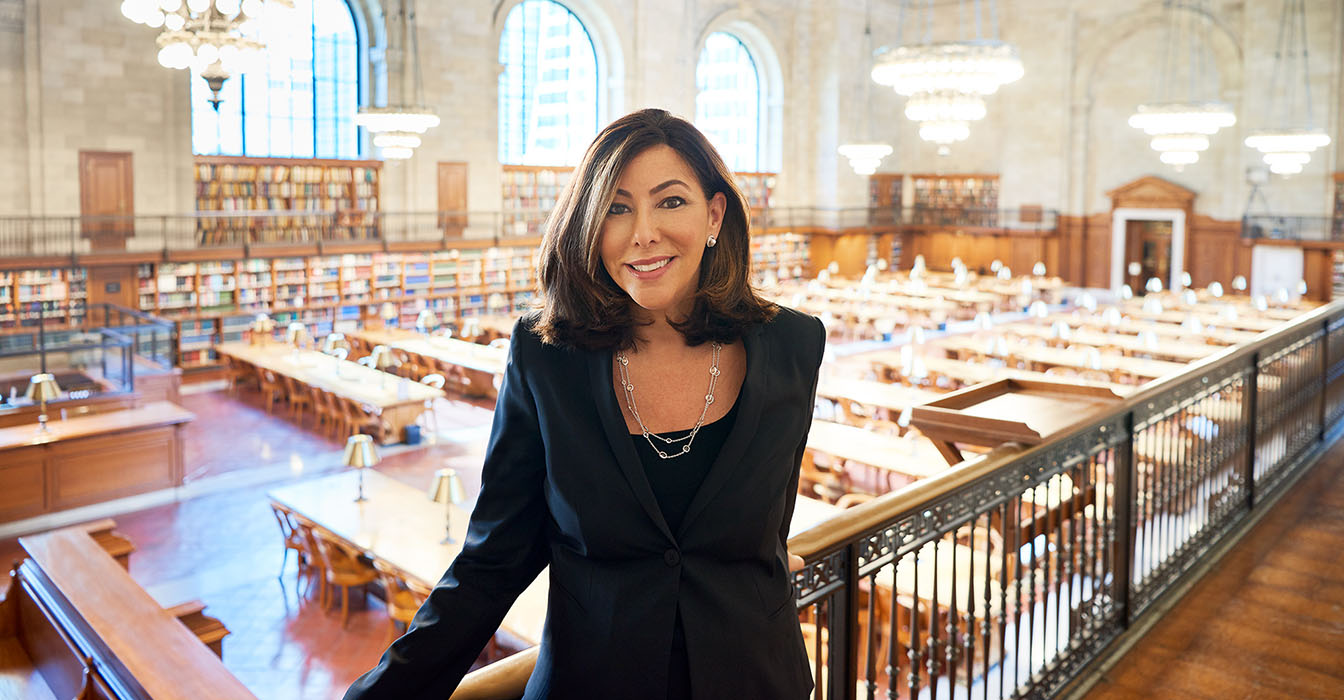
pixel 77 75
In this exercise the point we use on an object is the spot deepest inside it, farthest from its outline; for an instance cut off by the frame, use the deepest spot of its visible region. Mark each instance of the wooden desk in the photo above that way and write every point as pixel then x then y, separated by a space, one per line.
pixel 975 373
pixel 893 397
pixel 131 630
pixel 1127 326
pixel 1166 348
pixel 1114 365
pixel 399 525
pixel 916 458
pixel 90 459
pixel 399 399
pixel 480 364
pixel 1244 321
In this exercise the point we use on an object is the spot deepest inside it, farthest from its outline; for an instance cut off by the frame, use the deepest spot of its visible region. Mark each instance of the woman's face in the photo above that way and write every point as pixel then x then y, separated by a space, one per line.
pixel 654 234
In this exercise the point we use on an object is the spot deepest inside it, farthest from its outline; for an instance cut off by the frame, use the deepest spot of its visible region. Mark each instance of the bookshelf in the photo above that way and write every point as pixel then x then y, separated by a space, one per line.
pixel 948 196
pixel 529 194
pixel 57 296
pixel 757 187
pixel 215 301
pixel 347 189
pixel 780 252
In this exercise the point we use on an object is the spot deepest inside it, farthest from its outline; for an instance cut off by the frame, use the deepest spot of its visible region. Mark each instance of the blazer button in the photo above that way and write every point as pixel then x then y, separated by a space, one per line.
pixel 671 557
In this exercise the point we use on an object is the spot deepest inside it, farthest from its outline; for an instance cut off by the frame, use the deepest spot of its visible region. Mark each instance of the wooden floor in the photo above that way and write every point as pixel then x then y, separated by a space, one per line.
pixel 1267 622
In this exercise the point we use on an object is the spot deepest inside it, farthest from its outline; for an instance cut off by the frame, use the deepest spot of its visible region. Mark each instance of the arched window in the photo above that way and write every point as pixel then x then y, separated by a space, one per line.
pixel 728 101
pixel 301 103
pixel 548 89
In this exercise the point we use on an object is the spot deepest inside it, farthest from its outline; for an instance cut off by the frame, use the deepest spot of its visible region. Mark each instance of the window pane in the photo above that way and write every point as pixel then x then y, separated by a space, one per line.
pixel 728 99
pixel 300 102
pixel 548 88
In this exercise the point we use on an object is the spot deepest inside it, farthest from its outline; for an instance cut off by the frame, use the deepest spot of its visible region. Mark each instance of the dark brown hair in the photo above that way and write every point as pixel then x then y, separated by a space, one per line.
pixel 581 306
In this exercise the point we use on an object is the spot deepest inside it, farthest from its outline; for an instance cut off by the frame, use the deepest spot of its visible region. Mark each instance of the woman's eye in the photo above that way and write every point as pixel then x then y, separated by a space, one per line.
pixel 673 202
pixel 618 208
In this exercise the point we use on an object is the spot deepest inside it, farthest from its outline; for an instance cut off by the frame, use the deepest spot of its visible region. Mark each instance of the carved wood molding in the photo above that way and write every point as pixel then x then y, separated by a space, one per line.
pixel 1152 192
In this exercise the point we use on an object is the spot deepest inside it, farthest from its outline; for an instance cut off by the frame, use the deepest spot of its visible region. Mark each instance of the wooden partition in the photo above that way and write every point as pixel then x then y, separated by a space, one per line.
pixel 74 624
pixel 90 459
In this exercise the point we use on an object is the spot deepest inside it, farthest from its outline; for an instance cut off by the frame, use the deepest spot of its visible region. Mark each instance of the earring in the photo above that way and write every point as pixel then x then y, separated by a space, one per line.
pixel 710 243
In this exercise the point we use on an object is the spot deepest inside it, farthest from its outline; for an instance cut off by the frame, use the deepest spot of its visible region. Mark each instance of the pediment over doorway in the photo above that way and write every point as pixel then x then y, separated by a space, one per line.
pixel 1151 192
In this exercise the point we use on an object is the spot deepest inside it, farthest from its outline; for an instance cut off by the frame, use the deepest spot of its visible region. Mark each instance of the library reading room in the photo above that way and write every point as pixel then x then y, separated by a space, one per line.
pixel 985 349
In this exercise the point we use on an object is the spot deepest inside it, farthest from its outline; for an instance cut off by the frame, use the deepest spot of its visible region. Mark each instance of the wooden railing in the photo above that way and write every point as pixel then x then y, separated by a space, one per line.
pixel 1011 573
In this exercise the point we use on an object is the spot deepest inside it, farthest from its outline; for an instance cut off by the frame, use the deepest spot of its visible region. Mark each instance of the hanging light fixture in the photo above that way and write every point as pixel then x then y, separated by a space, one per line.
pixel 396 129
pixel 947 81
pixel 865 157
pixel 1288 147
pixel 215 39
pixel 1182 124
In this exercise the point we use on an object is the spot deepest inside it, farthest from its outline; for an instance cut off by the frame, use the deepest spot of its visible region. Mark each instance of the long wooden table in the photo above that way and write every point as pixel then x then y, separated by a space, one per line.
pixel 480 364
pixel 1137 367
pixel 972 372
pixel 399 399
pixel 1166 348
pixel 1128 326
pixel 90 459
pixel 893 397
pixel 916 458
pixel 400 526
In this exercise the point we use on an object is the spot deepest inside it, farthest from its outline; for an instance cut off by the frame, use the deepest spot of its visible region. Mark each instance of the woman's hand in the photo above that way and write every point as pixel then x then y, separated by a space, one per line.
pixel 795 562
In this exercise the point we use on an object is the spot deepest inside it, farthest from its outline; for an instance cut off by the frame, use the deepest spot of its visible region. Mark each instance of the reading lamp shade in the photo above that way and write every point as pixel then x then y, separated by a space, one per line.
pixel 359 452
pixel 42 387
pixel 447 487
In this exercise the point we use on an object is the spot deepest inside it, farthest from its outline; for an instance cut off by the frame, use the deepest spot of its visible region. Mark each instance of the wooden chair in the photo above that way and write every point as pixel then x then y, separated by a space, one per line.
pixel 307 532
pixel 402 600
pixel 294 540
pixel 237 373
pixel 271 388
pixel 361 418
pixel 819 480
pixel 343 567
pixel 298 396
pixel 436 381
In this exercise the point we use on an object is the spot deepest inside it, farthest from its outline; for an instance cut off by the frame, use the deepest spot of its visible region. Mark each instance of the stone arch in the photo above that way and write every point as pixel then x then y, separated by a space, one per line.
pixel 762 49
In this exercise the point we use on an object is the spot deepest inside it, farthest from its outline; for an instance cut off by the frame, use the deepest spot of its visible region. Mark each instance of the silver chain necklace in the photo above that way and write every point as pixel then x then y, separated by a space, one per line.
pixel 623 363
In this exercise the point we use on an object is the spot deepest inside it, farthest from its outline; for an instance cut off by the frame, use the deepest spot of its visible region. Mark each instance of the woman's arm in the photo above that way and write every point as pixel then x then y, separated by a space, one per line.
pixel 505 548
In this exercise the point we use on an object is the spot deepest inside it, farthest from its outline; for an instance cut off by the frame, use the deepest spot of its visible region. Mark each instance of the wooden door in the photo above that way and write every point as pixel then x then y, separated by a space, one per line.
pixel 452 198
pixel 106 198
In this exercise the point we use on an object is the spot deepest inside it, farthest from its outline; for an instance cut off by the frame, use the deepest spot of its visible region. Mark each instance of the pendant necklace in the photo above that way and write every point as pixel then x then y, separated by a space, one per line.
pixel 622 364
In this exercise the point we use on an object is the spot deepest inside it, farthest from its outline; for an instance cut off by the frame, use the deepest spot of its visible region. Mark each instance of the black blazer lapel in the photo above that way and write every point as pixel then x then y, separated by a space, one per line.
pixel 744 429
pixel 613 424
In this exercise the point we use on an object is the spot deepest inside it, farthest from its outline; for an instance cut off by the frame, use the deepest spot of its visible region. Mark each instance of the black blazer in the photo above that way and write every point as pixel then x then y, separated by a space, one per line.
pixel 562 485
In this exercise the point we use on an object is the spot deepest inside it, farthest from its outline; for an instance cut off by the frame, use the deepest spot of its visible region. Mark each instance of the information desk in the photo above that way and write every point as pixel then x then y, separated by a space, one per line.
pixel 81 609
pixel 90 459
pixel 400 526
pixel 399 399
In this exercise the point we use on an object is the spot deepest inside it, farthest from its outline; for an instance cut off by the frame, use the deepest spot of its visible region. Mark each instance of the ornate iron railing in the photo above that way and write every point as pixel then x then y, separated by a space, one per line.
pixel 1295 228
pixel 1005 577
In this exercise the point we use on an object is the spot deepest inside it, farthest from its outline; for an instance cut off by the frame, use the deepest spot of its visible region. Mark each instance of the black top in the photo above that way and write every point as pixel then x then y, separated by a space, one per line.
pixel 674 482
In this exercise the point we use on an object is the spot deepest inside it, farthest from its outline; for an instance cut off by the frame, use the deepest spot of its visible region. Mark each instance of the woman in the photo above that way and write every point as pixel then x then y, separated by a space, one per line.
pixel 645 447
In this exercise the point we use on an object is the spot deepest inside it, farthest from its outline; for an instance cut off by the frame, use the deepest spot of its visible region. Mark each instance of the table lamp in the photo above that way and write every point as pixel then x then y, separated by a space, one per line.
pixel 388 313
pixel 426 321
pixel 42 388
pixel 262 326
pixel 359 453
pixel 447 489
pixel 1038 269
pixel 383 360
pixel 334 341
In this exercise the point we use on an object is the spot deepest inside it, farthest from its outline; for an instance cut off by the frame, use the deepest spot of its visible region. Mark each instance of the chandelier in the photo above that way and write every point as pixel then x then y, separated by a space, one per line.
pixel 864 157
pixel 1180 128
pixel 214 39
pixel 947 82
pixel 396 129
pixel 1289 147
